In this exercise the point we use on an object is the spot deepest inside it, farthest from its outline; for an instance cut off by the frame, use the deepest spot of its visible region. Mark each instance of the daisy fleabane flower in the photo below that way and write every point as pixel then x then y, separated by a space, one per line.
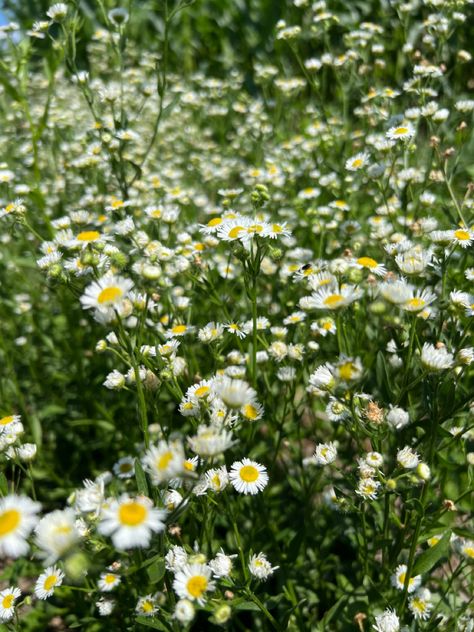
pixel 260 567
pixel 17 520
pixel 399 578
pixel 106 295
pixel 48 581
pixel 193 581
pixel 436 358
pixel 7 602
pixel 131 521
pixel 407 458
pixel 108 581
pixel 359 161
pixel 387 622
pixel 404 131
pixel 164 461
pixel 248 477
pixel 325 453
pixel 420 605
pixel 146 606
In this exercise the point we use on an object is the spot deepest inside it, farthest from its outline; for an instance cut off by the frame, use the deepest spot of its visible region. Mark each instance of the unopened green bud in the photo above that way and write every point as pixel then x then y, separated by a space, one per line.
pixel 378 307
pixel 76 566
pixel 391 484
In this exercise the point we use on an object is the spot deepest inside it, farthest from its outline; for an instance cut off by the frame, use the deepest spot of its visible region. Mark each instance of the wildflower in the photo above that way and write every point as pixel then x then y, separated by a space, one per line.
pixel 105 607
pixel 419 301
pixel 146 606
pixel 217 479
pixel 407 458
pixel 234 393
pixel 396 292
pixel 210 441
pixel 106 295
pixel 193 581
pixel 399 578
pixel 436 359
pixel 248 477
pixel 131 521
pixel 221 565
pixel 397 417
pixel 371 264
pixel 108 581
pixel 322 379
pixel 57 12
pixel 7 602
pixel 467 549
pixel 359 161
pixel 125 467
pixel 46 583
pixel 260 567
pixel 114 380
pixel 462 237
pixel 325 453
pixel 420 605
pixel 164 461
pixel 56 533
pixel 17 520
pixel 367 488
pixel 333 300
pixel 387 622
pixel 401 132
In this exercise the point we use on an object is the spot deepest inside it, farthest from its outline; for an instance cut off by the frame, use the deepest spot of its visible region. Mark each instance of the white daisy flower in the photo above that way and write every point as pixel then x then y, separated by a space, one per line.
pixel 193 581
pixel 401 132
pixel 399 578
pixel 46 583
pixel 106 295
pixel 146 606
pixel 56 533
pixel 248 477
pixel 436 359
pixel 131 521
pixel 420 605
pixel 164 461
pixel 17 519
pixel 359 161
pixel 7 602
pixel 325 453
pixel 387 622
pixel 108 581
pixel 260 567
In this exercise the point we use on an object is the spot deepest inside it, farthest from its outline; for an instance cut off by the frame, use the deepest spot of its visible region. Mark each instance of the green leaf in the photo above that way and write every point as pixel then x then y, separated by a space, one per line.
pixel 140 476
pixel 156 571
pixel 152 623
pixel 247 605
pixel 429 558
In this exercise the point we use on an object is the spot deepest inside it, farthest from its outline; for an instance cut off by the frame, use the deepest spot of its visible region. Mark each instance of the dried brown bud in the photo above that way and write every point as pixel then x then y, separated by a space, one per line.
pixel 229 594
pixel 374 413
pixel 447 153
pixel 359 618
pixel 175 530
pixel 434 141
pixel 449 505
pixel 462 126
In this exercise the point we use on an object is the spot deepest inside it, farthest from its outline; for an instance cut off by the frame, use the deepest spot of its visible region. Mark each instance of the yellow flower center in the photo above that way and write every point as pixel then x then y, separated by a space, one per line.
pixel 346 371
pixel 255 228
pixel 64 530
pixel 462 235
pixel 7 601
pixel 469 551
pixel 4 421
pixel 88 235
pixel 147 606
pixel 276 228
pixel 400 131
pixel 201 391
pixel 216 481
pixel 109 579
pixel 250 411
pixel 333 300
pixel 132 514
pixel 234 232
pixel 249 473
pixel 50 582
pixel 340 203
pixel 179 329
pixel 116 203
pixel 156 213
pixel 109 294
pixel 416 302
pixel 367 262
pixel 164 460
pixel 9 521
pixel 357 162
pixel 189 465
pixel 196 586
pixel 214 222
